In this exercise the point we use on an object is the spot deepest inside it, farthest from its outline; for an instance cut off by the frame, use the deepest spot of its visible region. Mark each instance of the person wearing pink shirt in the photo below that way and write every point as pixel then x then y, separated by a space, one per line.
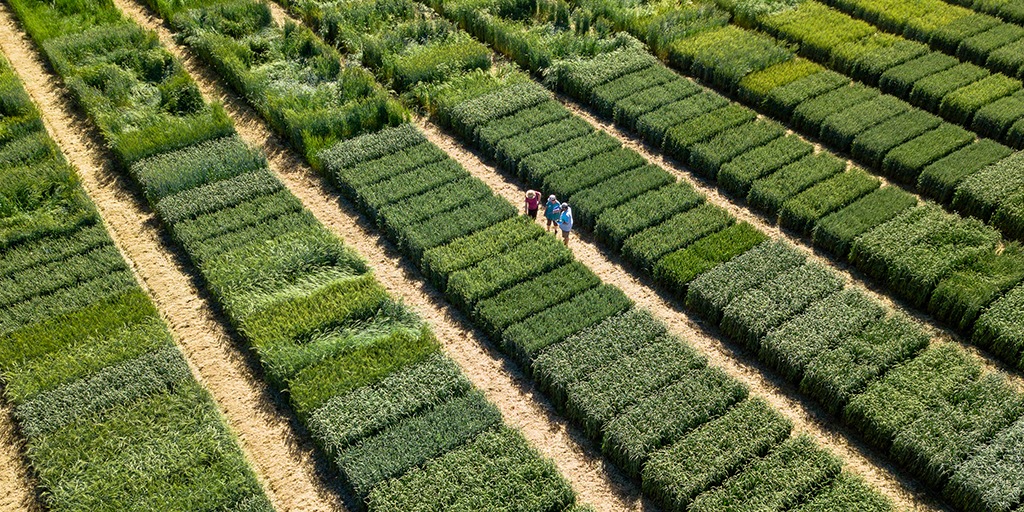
pixel 532 203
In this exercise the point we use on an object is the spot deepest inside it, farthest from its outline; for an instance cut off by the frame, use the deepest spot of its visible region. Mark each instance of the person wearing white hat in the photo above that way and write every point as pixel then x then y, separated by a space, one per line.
pixel 565 221
pixel 551 211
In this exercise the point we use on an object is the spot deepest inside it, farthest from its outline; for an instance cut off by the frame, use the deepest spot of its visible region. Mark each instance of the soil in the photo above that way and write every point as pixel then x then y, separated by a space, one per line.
pixel 806 416
pixel 523 407
pixel 282 455
pixel 17 487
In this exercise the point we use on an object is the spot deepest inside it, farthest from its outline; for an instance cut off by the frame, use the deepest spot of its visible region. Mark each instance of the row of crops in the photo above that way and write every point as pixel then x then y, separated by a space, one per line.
pixel 887 135
pixel 959 270
pixel 985 39
pixel 646 398
pixel 672 244
pixel 398 419
pixel 962 92
pixel 785 306
pixel 103 396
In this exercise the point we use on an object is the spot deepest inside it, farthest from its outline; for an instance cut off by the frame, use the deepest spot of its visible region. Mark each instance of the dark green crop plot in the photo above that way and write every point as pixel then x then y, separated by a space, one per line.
pixel 492 471
pixel 565 154
pixel 312 386
pixel 667 415
pixel 837 231
pixel 840 129
pixel 710 293
pixel 961 297
pixel 706 457
pixel 847 492
pixel 770 193
pixel 609 390
pixel 618 224
pixel 497 273
pixel 510 151
pixel 931 91
pixel 489 135
pixel 961 105
pixel 590 203
pixel 995 119
pixel 631 108
pixel 942 438
pixel 440 262
pixel 345 419
pixel 872 145
pixel 809 115
pixel 681 138
pixel 999 328
pixel 708 157
pixel 592 171
pixel 789 474
pixel 915 250
pixel 646 248
pixel 802 212
pixel 752 315
pixel 906 162
pixel 981 193
pixel 836 375
pixel 169 173
pixel 606 96
pixel 782 101
pixel 737 176
pixel 899 80
pixel 794 344
pixel 372 171
pixel 571 361
pixel 941 179
pixel 910 390
pixel 415 440
pixel 655 125
pixel 528 337
pixel 515 304
pixel 189 204
pixel 677 269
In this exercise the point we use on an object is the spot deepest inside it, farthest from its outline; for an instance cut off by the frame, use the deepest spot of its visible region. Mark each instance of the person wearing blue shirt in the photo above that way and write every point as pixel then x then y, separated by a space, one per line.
pixel 551 211
pixel 565 221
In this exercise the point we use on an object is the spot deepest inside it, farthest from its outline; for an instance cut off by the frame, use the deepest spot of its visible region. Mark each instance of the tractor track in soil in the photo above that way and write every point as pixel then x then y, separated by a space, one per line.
pixel 596 481
pixel 281 453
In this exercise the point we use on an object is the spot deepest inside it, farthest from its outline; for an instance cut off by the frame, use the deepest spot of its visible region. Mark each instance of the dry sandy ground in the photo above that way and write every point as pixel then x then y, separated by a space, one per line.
pixel 282 455
pixel 522 406
pixel 16 484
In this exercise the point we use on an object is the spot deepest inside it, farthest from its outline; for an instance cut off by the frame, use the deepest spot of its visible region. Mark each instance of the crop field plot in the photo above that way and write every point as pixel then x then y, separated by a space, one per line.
pixel 829 189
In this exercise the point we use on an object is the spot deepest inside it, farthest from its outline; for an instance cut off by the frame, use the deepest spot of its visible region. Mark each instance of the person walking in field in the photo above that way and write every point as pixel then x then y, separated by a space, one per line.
pixel 532 203
pixel 551 212
pixel 565 221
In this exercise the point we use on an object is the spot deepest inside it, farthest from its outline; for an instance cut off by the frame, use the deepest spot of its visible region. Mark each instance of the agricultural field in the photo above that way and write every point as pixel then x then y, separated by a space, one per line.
pixel 795 278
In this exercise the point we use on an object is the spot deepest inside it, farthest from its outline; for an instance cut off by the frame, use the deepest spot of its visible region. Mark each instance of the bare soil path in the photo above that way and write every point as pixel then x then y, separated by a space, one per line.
pixel 282 455
pixel 17 488
pixel 739 209
pixel 805 415
pixel 522 406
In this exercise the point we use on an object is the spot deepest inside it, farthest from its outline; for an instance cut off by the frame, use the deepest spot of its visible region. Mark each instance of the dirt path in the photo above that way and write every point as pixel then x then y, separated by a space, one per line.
pixel 520 403
pixel 282 456
pixel 741 211
pixel 806 416
pixel 17 488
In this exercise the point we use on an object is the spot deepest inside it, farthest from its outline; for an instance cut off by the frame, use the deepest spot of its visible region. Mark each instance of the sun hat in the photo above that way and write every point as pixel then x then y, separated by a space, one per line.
pixel 565 205
pixel 552 197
